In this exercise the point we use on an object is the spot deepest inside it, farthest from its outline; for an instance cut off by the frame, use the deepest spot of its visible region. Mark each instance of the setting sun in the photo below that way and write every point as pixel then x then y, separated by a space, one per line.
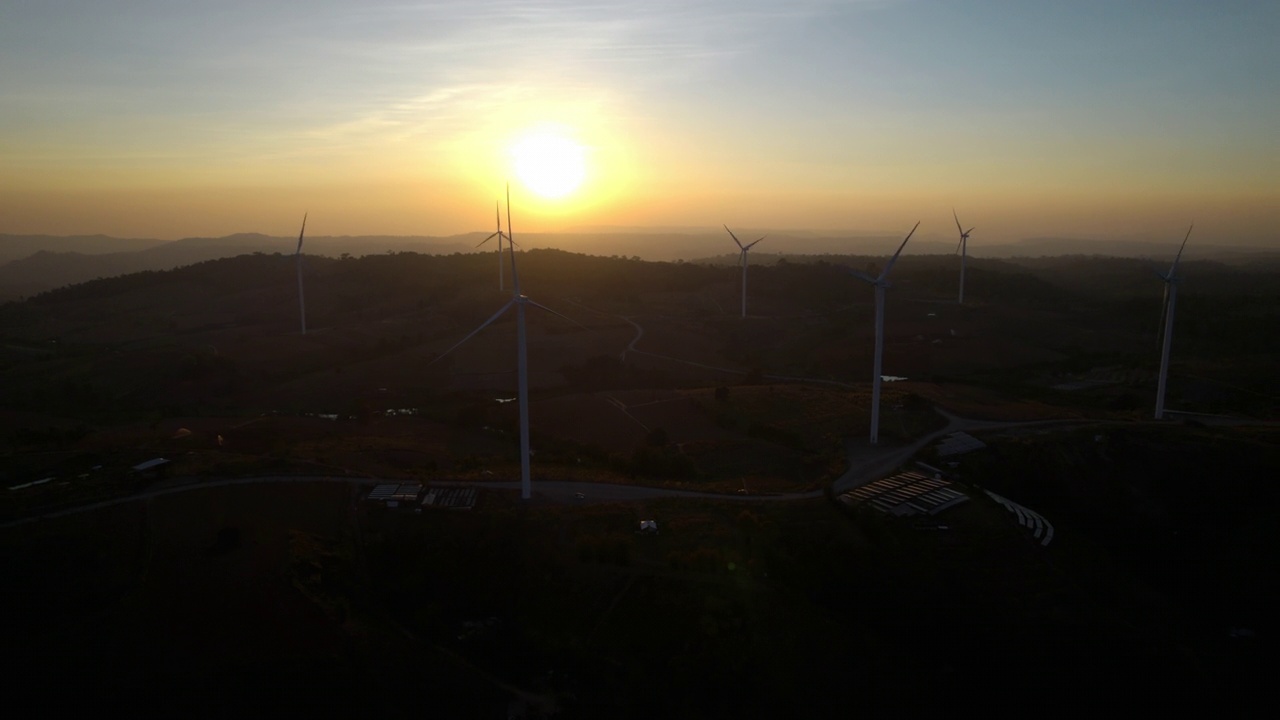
pixel 549 162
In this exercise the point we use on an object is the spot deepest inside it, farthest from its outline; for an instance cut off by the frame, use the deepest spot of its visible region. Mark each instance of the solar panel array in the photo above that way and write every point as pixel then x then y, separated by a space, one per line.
pixel 454 498
pixel 909 493
pixel 958 444
pixel 406 492
pixel 383 492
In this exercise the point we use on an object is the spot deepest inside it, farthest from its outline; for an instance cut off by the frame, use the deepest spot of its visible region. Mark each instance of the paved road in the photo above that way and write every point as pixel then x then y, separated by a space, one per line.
pixel 563 491
pixel 865 465
pixel 566 491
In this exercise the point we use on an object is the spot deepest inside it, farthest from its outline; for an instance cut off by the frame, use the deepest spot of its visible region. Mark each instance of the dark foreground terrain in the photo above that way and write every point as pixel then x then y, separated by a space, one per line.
pixel 304 599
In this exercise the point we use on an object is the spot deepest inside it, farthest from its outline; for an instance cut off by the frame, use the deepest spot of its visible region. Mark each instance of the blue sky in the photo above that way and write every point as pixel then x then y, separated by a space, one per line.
pixel 1054 117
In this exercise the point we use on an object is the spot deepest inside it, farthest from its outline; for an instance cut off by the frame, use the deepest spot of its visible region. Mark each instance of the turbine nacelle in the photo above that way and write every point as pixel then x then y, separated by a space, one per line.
pixel 964 234
pixel 498 234
pixel 748 246
pixel 877 282
pixel 735 238
pixel 742 262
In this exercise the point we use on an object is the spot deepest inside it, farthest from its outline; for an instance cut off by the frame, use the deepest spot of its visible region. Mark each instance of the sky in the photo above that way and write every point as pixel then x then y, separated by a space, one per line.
pixel 1079 118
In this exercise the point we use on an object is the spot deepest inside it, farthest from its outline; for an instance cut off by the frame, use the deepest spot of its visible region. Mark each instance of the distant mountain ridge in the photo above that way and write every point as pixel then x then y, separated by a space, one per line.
pixel 55 266
pixel 30 264
pixel 16 247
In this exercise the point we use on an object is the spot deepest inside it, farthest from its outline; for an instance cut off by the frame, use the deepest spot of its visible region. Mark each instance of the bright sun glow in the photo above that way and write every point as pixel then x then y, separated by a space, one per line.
pixel 549 163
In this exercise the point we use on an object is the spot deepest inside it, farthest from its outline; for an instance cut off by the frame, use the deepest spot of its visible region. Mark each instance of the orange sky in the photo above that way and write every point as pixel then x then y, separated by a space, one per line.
pixel 1086 120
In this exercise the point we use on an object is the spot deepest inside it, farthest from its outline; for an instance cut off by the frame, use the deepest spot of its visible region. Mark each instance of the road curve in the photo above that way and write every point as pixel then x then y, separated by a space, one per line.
pixel 560 491
pixel 864 470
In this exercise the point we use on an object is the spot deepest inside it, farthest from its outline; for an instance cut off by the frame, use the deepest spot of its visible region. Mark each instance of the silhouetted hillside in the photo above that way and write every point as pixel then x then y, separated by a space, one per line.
pixel 231 324
pixel 33 264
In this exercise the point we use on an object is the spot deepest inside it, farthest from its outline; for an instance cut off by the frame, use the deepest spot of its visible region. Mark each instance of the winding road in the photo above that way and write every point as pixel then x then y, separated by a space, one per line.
pixel 866 463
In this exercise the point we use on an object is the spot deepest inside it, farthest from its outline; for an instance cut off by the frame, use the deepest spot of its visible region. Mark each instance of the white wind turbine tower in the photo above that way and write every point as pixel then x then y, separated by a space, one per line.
pixel 880 283
pixel 742 258
pixel 519 300
pixel 500 235
pixel 297 255
pixel 963 249
pixel 1170 299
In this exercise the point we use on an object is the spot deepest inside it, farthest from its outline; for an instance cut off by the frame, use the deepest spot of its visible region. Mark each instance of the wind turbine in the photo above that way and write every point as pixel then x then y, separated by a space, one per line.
pixel 519 300
pixel 880 283
pixel 742 258
pixel 1170 299
pixel 499 234
pixel 963 249
pixel 297 255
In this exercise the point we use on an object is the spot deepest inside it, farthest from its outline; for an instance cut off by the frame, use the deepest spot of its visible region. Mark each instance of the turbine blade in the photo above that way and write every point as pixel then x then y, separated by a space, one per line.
pixel 515 277
pixel 553 312
pixel 753 244
pixel 488 239
pixel 960 243
pixel 957 217
pixel 735 237
pixel 894 259
pixel 300 234
pixel 966 232
pixel 863 277
pixel 484 325
pixel 1179 256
